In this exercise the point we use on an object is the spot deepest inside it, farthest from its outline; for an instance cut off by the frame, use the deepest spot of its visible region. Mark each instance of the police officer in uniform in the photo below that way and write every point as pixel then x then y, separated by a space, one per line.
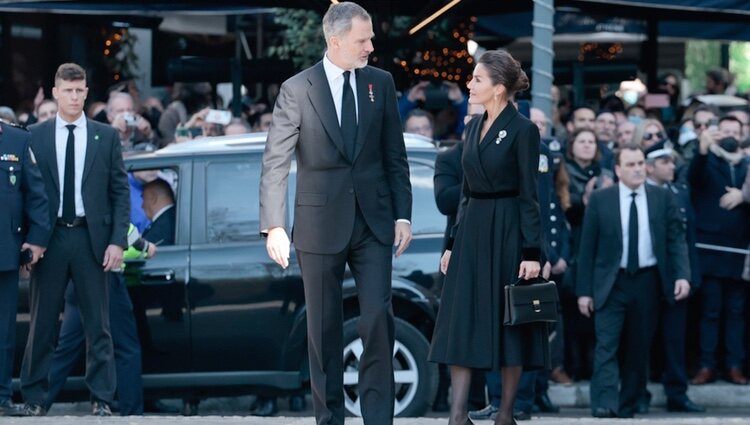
pixel 660 166
pixel 24 233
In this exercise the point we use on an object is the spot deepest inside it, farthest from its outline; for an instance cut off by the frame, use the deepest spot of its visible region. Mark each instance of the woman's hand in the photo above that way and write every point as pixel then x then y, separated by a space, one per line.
pixel 529 270
pixel 444 260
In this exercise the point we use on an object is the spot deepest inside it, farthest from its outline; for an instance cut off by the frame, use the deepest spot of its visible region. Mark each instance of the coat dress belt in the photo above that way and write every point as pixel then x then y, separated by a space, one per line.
pixel 494 195
pixel 78 221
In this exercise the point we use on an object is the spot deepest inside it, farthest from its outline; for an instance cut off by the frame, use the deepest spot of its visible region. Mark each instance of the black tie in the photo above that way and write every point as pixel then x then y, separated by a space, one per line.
pixel 69 185
pixel 633 237
pixel 348 117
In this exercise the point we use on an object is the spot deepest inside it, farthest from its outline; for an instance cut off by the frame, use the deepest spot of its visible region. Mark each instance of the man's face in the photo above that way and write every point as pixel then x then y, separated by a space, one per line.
pixel 605 126
pixel 625 133
pixel 352 50
pixel 264 123
pixel 744 118
pixel 584 119
pixel 701 121
pixel 538 118
pixel 46 111
pixel 119 105
pixel 419 125
pixel 70 96
pixel 661 170
pixel 631 169
pixel 730 129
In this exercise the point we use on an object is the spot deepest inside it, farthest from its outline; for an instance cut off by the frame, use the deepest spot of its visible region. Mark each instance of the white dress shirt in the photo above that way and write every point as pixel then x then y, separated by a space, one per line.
pixel 646 257
pixel 335 76
pixel 61 143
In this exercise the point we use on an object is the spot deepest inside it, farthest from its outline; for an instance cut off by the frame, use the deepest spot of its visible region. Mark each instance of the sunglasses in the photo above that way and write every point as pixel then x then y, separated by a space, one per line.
pixel 700 124
pixel 649 136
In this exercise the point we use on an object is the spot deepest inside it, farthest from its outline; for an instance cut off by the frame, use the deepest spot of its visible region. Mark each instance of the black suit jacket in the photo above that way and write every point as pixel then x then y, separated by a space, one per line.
pixel 161 231
pixel 104 188
pixel 329 184
pixel 601 243
pixel 448 183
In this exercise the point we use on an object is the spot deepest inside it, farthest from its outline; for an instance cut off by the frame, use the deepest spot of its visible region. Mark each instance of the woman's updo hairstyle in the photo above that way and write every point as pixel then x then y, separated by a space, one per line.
pixel 505 70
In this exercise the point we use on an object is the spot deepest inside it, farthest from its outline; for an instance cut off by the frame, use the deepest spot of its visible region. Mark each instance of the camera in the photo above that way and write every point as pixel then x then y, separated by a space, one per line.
pixel 130 120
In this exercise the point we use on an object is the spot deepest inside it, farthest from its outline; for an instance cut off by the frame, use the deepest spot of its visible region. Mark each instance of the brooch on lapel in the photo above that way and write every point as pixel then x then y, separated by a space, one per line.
pixel 96 136
pixel 370 93
pixel 500 136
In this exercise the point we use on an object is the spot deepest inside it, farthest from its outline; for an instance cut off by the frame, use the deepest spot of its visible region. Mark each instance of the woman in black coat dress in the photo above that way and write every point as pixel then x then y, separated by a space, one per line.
pixel 497 239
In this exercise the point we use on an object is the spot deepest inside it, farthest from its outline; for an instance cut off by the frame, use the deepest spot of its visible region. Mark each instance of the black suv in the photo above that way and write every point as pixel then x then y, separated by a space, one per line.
pixel 217 317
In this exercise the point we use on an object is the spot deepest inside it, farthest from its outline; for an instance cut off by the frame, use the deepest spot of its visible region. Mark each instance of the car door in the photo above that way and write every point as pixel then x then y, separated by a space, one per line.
pixel 243 304
pixel 157 286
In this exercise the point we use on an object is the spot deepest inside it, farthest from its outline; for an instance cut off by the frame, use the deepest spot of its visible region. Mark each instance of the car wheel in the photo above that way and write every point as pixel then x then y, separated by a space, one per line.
pixel 416 378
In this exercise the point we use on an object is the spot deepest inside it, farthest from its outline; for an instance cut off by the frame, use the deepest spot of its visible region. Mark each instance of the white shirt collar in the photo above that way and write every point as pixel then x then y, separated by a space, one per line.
pixel 80 122
pixel 332 70
pixel 626 191
pixel 160 212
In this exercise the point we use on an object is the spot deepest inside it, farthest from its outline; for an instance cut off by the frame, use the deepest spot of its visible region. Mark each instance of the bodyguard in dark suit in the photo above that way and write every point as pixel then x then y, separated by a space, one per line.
pixel 85 180
pixel 340 119
pixel 24 225
pixel 660 167
pixel 632 253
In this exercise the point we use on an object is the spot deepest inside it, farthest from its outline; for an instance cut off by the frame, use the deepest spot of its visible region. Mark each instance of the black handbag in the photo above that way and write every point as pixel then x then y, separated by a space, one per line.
pixel 530 303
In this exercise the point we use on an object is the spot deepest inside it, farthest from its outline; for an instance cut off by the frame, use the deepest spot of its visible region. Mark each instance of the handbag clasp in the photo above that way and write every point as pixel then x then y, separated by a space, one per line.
pixel 537 306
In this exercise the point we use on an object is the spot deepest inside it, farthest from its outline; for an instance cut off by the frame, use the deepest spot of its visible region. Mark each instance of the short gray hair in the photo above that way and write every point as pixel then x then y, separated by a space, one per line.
pixel 338 20
pixel 118 95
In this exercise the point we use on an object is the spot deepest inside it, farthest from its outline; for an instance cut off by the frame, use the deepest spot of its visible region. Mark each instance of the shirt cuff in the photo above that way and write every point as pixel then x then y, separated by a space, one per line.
pixel 403 220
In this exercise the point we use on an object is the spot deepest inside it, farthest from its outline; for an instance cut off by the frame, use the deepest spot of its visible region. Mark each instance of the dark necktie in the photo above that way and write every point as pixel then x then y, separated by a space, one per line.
pixel 348 117
pixel 69 184
pixel 633 237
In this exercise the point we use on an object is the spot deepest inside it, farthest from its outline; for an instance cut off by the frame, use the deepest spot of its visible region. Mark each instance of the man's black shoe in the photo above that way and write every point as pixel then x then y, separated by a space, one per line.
pixel 30 410
pixel 520 415
pixel 644 401
pixel 684 406
pixel 602 412
pixel 7 408
pixel 488 412
pixel 545 404
pixel 265 406
pixel 297 403
pixel 100 408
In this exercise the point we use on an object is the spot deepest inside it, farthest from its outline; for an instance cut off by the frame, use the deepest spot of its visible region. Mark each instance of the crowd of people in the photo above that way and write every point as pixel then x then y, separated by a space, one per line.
pixel 679 175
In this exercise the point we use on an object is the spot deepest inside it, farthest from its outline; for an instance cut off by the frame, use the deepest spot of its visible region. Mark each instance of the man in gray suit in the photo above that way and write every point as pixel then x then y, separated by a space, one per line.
pixel 353 201
pixel 632 253
pixel 89 206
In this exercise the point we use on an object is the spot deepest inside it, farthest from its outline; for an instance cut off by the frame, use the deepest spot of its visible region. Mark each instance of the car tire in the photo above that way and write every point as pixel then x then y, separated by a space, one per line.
pixel 416 378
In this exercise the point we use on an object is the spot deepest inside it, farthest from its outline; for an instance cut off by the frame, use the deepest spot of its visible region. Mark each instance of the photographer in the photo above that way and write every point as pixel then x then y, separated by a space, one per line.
pixel 436 96
pixel 133 129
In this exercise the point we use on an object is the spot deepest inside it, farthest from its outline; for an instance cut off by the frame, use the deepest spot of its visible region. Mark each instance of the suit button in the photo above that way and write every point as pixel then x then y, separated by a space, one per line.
pixel 553 218
pixel 351 191
pixel 553 231
pixel 554 244
pixel 552 205
pixel 18 230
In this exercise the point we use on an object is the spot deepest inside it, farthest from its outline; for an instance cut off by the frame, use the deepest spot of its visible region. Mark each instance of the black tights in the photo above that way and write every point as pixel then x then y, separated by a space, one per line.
pixel 460 383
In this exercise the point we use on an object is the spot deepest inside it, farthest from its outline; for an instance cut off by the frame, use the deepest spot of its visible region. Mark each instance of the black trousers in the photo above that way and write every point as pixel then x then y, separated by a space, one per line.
pixel 631 310
pixel 69 257
pixel 370 263
pixel 8 309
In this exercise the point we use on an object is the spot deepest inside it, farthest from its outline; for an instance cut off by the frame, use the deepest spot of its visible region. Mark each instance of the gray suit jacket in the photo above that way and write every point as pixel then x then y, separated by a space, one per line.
pixel 105 190
pixel 330 185
pixel 601 243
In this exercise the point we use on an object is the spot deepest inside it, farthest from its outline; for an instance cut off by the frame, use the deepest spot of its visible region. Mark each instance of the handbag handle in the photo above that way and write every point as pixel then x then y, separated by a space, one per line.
pixel 538 279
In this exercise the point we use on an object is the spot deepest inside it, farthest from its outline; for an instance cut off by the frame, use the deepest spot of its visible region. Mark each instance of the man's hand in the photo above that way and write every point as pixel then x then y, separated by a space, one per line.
pixel 151 251
pixel 708 137
pixel 37 252
pixel 560 267
pixel 112 258
pixel 444 260
pixel 278 246
pixel 403 237
pixel 586 306
pixel 529 270
pixel 731 199
pixel 681 289
pixel 455 94
pixel 417 92
pixel 546 270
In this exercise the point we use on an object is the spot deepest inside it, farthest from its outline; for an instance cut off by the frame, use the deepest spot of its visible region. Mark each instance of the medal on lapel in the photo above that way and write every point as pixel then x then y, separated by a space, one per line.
pixel 12 177
pixel 500 136
pixel 370 93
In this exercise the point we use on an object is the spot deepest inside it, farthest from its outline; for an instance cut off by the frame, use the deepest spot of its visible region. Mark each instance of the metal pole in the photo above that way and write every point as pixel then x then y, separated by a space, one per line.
pixel 542 56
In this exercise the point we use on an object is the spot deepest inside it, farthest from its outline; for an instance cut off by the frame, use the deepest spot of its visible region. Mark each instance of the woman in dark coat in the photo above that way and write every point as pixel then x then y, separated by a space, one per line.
pixel 497 239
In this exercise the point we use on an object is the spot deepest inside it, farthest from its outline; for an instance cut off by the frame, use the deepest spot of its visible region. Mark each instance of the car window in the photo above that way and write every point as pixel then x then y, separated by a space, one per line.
pixel 232 213
pixel 425 217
